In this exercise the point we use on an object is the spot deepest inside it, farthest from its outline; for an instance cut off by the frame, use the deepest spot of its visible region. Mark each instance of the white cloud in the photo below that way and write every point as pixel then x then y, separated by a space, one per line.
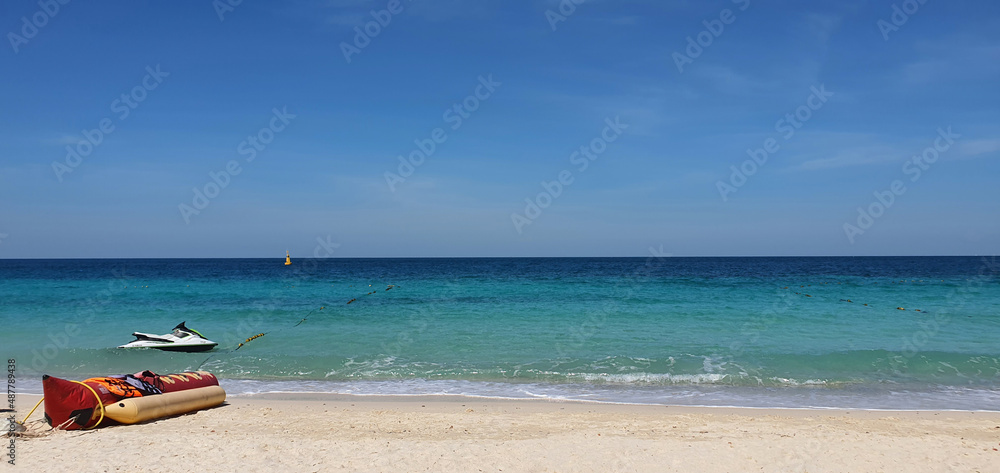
pixel 953 59
pixel 831 150
pixel 857 156
pixel 979 147
pixel 822 26
pixel 68 140
pixel 725 79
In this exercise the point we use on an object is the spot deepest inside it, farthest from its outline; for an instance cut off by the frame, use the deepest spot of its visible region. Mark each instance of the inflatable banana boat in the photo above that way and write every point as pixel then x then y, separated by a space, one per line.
pixel 127 399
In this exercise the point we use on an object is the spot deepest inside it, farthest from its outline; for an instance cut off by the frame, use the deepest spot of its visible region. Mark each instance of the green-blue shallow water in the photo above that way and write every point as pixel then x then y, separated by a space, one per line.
pixel 791 332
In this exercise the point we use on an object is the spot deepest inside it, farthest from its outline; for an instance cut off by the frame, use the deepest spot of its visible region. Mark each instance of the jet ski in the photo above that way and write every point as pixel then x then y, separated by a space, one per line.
pixel 180 339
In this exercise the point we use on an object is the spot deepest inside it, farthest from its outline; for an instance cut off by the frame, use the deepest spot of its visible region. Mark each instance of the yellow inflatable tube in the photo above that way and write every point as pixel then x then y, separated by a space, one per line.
pixel 141 409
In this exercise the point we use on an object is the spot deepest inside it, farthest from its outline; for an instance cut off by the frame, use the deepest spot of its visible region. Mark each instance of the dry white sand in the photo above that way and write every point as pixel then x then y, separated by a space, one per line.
pixel 295 433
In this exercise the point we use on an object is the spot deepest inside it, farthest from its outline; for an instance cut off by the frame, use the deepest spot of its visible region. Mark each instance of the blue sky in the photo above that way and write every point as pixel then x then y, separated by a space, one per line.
pixel 322 173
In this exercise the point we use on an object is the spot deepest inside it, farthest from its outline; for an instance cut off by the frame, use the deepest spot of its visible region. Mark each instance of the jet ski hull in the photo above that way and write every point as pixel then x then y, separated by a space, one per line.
pixel 188 348
pixel 175 347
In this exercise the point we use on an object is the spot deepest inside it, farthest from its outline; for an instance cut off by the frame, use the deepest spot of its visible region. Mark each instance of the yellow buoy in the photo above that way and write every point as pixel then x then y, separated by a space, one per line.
pixel 288 259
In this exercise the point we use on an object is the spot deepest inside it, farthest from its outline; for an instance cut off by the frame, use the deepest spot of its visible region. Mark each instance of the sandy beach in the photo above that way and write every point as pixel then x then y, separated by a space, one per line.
pixel 313 432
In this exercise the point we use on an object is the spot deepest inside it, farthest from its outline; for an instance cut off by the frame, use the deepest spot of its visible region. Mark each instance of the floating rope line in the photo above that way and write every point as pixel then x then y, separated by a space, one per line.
pixel 307 316
pixel 851 301
pixel 248 340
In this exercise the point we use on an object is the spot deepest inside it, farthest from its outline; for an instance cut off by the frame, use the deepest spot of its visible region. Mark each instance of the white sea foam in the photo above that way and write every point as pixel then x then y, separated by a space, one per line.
pixel 707 389
pixel 807 394
pixel 652 378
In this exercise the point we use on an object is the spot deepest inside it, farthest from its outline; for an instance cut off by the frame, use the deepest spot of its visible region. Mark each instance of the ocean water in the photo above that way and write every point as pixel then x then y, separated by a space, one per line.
pixel 756 332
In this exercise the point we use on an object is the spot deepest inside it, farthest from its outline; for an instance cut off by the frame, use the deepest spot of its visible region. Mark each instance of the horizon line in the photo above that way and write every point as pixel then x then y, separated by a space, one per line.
pixel 499 257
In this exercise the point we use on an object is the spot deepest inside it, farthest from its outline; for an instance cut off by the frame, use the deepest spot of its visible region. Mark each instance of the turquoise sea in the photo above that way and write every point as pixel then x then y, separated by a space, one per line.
pixel 759 332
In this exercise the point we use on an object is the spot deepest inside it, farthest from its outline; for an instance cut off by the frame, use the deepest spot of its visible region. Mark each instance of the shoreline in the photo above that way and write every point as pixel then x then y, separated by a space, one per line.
pixel 676 408
pixel 397 400
pixel 323 432
pixel 822 398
